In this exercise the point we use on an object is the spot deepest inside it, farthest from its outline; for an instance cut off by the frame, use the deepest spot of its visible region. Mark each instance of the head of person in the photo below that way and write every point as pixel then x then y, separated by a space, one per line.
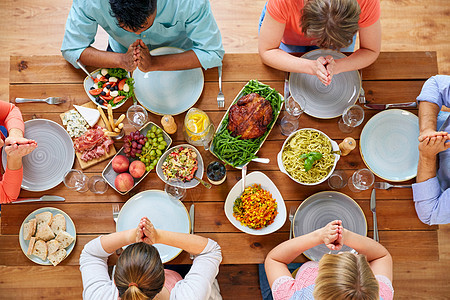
pixel 331 23
pixel 134 15
pixel 139 272
pixel 345 276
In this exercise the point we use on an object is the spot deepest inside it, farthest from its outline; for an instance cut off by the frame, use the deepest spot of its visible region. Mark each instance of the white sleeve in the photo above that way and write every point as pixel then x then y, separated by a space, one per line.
pixel 94 272
pixel 200 283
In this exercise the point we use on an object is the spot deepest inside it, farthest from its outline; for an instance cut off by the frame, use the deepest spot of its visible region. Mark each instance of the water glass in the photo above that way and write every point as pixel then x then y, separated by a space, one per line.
pixel 97 184
pixel 361 180
pixel 76 180
pixel 175 188
pixel 137 115
pixel 351 118
pixel 337 180
pixel 294 108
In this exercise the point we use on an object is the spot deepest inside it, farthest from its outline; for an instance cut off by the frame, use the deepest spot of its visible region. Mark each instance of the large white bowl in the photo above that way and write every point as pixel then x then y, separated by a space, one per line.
pixel 334 145
pixel 268 185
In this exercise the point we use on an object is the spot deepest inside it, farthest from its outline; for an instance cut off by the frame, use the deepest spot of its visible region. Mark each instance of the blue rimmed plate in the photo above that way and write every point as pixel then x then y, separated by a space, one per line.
pixel 164 212
pixel 168 92
pixel 320 209
pixel 389 145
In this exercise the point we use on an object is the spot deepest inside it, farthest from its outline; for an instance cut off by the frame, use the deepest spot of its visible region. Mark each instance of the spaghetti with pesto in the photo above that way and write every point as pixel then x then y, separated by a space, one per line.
pixel 304 142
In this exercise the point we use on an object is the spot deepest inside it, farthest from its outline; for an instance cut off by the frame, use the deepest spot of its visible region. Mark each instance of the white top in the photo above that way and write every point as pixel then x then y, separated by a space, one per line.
pixel 199 283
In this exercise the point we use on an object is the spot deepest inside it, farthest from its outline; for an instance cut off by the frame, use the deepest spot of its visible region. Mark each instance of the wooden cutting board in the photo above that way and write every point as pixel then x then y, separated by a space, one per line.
pixel 112 149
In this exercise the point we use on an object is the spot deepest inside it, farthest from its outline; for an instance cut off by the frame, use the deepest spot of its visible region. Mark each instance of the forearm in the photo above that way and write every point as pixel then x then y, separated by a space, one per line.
pixel 358 60
pixel 364 245
pixel 116 240
pixel 173 62
pixel 105 59
pixel 428 112
pixel 281 60
pixel 191 243
pixel 426 168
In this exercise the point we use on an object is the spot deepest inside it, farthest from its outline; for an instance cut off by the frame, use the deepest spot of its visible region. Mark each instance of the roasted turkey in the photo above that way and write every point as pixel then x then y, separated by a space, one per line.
pixel 250 116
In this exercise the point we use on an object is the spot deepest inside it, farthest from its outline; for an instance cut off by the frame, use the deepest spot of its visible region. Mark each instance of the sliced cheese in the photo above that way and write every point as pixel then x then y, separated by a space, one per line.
pixel 89 114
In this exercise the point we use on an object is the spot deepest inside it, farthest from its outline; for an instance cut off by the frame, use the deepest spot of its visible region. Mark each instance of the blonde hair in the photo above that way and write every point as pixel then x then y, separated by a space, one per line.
pixel 331 23
pixel 139 272
pixel 345 276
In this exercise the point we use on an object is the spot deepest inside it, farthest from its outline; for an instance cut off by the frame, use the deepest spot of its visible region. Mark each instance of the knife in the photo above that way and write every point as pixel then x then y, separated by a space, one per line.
pixel 373 205
pixel 286 86
pixel 191 216
pixel 43 198
pixel 394 105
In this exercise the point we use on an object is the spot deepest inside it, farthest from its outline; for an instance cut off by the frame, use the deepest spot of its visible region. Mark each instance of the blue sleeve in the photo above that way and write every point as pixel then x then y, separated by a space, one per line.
pixel 432 205
pixel 436 90
pixel 80 32
pixel 202 30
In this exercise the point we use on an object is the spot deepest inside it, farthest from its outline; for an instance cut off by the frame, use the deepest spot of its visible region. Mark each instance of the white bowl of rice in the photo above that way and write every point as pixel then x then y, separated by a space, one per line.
pixel 304 141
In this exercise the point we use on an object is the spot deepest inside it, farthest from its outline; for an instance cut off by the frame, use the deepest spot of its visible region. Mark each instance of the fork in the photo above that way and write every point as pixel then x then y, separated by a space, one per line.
pixel 291 219
pixel 220 96
pixel 49 100
pixel 362 96
pixel 116 210
pixel 385 185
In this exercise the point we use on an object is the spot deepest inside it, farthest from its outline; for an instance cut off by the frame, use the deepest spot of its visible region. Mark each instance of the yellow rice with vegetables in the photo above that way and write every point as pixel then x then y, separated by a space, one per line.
pixel 255 208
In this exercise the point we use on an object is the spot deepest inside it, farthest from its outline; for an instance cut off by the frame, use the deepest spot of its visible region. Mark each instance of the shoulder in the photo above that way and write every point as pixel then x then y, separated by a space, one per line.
pixel 370 12
pixel 386 289
pixel 284 8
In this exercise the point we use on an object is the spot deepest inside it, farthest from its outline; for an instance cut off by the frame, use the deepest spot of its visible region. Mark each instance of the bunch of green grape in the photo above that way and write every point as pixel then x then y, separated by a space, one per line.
pixel 153 148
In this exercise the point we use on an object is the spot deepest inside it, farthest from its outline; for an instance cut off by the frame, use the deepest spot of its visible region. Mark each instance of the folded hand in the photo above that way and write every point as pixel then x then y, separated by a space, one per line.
pixel 19 147
pixel 146 232
pixel 128 60
pixel 331 235
pixel 142 57
pixel 432 133
pixel 431 146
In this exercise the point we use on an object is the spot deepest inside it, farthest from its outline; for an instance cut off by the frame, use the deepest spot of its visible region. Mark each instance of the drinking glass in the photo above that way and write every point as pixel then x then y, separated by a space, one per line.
pixel 294 108
pixel 76 180
pixel 337 180
pixel 351 118
pixel 97 184
pixel 361 180
pixel 137 115
pixel 175 188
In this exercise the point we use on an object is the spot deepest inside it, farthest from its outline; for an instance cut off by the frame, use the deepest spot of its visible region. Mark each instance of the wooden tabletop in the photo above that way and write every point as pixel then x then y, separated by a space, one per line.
pixel 399 227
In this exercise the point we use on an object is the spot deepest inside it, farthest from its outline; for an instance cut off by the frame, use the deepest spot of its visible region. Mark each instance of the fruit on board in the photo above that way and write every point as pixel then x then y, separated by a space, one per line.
pixel 120 164
pixel 124 182
pixel 137 169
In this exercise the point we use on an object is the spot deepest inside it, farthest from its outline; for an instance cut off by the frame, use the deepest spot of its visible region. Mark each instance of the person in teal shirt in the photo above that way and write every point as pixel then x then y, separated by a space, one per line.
pixel 136 27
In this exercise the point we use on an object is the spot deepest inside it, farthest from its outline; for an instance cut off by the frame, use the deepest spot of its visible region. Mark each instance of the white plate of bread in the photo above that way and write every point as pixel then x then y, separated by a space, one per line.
pixel 47 236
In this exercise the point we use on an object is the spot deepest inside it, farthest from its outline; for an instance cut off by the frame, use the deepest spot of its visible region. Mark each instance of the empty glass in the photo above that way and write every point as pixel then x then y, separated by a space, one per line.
pixel 351 118
pixel 175 188
pixel 361 180
pixel 337 180
pixel 294 108
pixel 76 180
pixel 137 115
pixel 97 184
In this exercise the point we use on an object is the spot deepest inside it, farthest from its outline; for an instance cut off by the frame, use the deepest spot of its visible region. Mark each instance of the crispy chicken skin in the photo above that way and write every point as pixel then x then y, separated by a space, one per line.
pixel 250 116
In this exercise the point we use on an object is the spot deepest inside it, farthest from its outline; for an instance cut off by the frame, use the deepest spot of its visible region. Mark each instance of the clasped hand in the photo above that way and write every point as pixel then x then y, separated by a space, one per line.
pixel 18 147
pixel 332 235
pixel 137 56
pixel 146 232
pixel 324 69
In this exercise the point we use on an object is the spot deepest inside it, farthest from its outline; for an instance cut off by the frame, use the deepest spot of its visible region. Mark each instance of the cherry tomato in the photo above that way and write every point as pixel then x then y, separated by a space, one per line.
pixel 118 99
pixel 106 98
pixel 95 92
pixel 121 84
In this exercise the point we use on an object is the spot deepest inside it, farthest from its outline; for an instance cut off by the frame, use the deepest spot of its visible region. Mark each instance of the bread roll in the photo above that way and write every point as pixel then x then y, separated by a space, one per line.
pixel 53 246
pixel 65 239
pixel 57 257
pixel 45 217
pixel 31 245
pixel 40 249
pixel 44 232
pixel 29 229
pixel 58 223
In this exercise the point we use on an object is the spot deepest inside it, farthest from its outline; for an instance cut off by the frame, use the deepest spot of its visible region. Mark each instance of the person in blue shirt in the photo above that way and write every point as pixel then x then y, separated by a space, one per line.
pixel 431 191
pixel 137 26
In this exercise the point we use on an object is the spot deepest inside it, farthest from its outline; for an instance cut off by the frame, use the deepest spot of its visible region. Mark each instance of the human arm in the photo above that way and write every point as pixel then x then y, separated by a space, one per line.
pixel 279 257
pixel 105 59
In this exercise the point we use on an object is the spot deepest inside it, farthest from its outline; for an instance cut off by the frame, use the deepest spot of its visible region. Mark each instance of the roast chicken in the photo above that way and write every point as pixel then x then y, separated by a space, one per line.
pixel 250 116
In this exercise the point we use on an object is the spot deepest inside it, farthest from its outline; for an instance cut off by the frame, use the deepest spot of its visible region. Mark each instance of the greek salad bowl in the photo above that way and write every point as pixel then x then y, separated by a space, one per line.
pixel 186 183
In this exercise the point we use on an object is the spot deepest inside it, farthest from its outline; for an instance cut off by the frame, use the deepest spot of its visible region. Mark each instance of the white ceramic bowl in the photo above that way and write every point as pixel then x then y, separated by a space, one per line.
pixel 268 185
pixel 334 145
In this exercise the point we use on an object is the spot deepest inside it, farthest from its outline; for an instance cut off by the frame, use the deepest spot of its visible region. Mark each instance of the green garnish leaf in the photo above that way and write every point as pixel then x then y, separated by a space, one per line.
pixel 310 158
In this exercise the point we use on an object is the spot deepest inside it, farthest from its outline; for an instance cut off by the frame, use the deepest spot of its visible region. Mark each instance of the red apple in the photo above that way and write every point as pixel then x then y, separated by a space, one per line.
pixel 124 182
pixel 137 169
pixel 120 164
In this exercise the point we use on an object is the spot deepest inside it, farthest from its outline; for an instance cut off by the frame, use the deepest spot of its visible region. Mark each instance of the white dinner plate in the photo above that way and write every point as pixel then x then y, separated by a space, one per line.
pixel 389 145
pixel 320 209
pixel 164 212
pixel 266 184
pixel 44 168
pixel 325 102
pixel 70 228
pixel 168 92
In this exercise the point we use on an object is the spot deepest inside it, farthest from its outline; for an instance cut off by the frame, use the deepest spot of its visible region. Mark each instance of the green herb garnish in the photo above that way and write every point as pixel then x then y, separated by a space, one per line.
pixel 310 158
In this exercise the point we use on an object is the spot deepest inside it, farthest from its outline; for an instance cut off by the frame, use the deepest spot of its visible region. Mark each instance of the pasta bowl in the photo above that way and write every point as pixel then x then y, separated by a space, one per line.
pixel 304 141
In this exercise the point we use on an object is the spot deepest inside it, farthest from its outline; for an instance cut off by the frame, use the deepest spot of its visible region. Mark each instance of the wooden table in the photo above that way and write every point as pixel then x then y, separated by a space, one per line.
pixel 394 77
